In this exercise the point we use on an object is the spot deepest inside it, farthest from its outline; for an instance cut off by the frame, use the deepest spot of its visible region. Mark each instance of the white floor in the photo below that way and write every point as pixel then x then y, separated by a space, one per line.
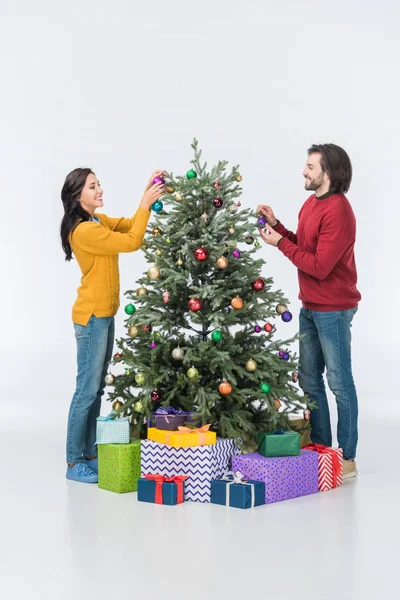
pixel 63 540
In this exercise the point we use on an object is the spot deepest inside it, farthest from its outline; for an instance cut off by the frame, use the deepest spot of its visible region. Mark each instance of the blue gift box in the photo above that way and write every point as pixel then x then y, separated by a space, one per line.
pixel 246 494
pixel 147 490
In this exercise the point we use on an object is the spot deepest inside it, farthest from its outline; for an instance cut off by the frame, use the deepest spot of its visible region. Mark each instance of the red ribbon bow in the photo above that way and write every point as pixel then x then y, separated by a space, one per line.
pixel 160 479
pixel 321 449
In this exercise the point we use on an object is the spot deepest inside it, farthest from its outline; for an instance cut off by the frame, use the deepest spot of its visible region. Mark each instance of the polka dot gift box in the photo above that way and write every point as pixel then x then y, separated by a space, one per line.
pixel 285 477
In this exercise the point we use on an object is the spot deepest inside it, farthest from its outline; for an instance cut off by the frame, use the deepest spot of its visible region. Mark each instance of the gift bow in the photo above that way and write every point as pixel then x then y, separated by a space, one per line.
pixel 169 410
pixel 160 479
pixel 336 463
pixel 201 432
pixel 237 477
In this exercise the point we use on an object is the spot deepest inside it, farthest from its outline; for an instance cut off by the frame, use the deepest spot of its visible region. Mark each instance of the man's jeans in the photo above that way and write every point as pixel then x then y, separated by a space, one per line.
pixel 95 343
pixel 326 342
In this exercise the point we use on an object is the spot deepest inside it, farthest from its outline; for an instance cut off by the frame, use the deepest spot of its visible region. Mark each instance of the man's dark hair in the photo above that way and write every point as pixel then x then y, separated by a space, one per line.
pixel 335 162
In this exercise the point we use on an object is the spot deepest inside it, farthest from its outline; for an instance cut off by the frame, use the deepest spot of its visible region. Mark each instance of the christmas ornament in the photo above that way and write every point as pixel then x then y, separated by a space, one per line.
pixel 140 378
pixel 192 373
pixel 286 356
pixel 156 232
pixel 268 327
pixel 168 240
pixel 158 334
pixel 237 303
pixel 147 328
pixel 158 180
pixel 257 329
pixel 158 252
pixel 249 240
pixel 261 220
pixel 256 244
pixel 155 395
pixel 277 404
pixel 179 262
pixel 201 254
pixel 251 365
pixel 133 331
pixel 157 206
pixel 306 414
pixel 204 217
pixel 239 178
pixel 286 316
pixel 142 291
pixel 231 230
pixel 239 204
pixel 236 253
pixel 109 379
pixel 117 405
pixel 281 308
pixel 177 353
pixel 281 353
pixel 169 189
pixel 178 197
pixel 117 356
pixel 265 387
pixel 258 285
pixel 127 372
pixel 216 336
pixel 166 296
pixel 225 388
pixel 130 309
pixel 233 208
pixel 218 202
pixel 138 407
pixel 222 262
pixel 153 345
pixel 295 376
pixel 195 304
pixel 217 185
pixel 191 174
pixel 153 273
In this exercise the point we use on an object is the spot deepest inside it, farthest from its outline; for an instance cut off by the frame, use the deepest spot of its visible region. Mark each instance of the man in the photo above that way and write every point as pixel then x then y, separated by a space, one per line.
pixel 323 252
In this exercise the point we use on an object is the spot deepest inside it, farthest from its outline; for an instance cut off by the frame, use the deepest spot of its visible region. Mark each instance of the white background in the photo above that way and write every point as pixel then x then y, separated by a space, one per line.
pixel 124 87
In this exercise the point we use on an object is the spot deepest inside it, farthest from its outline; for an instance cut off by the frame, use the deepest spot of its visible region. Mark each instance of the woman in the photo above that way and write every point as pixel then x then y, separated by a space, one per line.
pixel 96 241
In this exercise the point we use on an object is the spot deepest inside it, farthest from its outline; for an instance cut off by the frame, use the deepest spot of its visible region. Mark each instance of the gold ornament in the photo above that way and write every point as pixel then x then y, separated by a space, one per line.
pixel 179 262
pixel 251 365
pixel 158 252
pixel 237 303
pixel 169 189
pixel 178 197
pixel 231 230
pixel 239 178
pixel 142 291
pixel 117 405
pixel 153 273
pixel 157 232
pixel 222 262
pixel 133 331
pixel 281 308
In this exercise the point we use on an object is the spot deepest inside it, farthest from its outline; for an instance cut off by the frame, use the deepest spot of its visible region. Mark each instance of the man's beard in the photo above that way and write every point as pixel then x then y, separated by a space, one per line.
pixel 313 184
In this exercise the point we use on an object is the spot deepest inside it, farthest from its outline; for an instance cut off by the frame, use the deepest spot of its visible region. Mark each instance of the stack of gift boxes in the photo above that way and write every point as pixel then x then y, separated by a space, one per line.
pixel 181 460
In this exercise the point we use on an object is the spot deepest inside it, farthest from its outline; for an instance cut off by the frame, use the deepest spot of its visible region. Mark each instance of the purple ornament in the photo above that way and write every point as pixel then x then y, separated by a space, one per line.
pixel 218 202
pixel 281 353
pixel 153 345
pixel 286 316
pixel 236 253
pixel 286 356
pixel 257 329
pixel 158 180
pixel 261 220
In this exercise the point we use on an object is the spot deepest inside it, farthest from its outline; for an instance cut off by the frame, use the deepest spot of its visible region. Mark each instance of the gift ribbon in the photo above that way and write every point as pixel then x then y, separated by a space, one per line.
pixel 200 431
pixel 321 449
pixel 231 478
pixel 112 417
pixel 160 479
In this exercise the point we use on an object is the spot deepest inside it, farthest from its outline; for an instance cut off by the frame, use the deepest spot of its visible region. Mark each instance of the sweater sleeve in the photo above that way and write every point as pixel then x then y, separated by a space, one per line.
pixel 97 239
pixel 281 229
pixel 337 233
pixel 121 224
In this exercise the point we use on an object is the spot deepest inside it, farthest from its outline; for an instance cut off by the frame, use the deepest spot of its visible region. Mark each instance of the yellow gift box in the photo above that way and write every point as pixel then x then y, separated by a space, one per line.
pixel 184 437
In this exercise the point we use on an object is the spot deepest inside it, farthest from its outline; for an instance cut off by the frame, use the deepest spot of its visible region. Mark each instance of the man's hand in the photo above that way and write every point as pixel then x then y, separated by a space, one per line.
pixel 268 214
pixel 270 236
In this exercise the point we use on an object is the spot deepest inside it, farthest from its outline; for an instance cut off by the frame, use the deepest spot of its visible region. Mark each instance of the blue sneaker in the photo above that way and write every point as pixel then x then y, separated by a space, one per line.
pixel 93 464
pixel 81 472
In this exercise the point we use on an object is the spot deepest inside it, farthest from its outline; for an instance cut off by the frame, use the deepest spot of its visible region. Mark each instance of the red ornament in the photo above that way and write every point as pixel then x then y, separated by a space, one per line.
pixel 268 327
pixel 155 395
pixel 239 204
pixel 218 202
pixel 117 356
pixel 195 304
pixel 201 254
pixel 258 284
pixel 217 185
pixel 147 328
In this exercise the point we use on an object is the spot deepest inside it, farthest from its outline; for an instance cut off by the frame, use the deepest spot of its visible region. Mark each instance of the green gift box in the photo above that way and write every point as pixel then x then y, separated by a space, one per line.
pixel 279 443
pixel 119 467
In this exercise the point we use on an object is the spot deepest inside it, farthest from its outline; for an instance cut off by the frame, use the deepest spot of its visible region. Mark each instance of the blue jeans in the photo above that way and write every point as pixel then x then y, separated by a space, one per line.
pixel 326 343
pixel 94 343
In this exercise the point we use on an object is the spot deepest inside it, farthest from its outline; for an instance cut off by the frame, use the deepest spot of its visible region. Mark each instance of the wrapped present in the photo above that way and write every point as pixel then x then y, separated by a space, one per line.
pixel 201 464
pixel 170 418
pixel 112 430
pixel 279 443
pixel 184 437
pixel 119 467
pixel 162 490
pixel 285 477
pixel 330 466
pixel 234 490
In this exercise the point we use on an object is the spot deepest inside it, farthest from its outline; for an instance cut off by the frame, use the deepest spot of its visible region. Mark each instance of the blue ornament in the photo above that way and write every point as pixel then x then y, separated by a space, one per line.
pixel 286 316
pixel 157 206
pixel 286 356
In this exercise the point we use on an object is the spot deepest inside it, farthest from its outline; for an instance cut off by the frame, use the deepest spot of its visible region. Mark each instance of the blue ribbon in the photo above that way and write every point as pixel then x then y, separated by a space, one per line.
pixel 170 410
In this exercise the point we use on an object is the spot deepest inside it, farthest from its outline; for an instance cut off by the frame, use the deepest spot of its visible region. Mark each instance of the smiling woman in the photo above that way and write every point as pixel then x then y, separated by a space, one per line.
pixel 96 241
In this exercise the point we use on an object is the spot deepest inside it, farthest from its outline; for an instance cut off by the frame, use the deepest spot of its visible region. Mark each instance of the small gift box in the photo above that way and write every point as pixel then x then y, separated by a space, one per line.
pixel 234 490
pixel 330 466
pixel 162 490
pixel 170 418
pixel 279 443
pixel 184 437
pixel 111 430
pixel 119 467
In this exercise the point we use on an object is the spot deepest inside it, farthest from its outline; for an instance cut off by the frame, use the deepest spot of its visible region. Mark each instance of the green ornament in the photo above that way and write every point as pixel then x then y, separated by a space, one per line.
pixel 192 373
pixel 127 372
pixel 265 387
pixel 130 309
pixel 257 244
pixel 140 378
pixel 216 336
pixel 138 407
pixel 168 240
pixel 191 174
pixel 158 334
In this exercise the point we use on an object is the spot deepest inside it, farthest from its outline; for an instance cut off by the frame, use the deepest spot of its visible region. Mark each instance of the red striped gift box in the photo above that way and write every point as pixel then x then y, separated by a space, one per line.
pixel 330 466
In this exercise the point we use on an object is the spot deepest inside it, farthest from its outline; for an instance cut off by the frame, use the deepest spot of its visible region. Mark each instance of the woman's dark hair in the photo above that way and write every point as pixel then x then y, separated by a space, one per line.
pixel 335 162
pixel 73 212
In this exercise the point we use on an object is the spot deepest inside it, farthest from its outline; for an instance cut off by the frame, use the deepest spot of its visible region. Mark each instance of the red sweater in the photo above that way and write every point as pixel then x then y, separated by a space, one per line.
pixel 323 252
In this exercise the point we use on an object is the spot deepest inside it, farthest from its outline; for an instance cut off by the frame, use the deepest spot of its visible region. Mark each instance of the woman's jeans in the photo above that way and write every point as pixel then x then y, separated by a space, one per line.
pixel 95 343
pixel 326 342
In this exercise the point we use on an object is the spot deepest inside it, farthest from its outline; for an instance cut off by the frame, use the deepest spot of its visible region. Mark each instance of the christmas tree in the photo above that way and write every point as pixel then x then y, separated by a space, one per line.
pixel 200 335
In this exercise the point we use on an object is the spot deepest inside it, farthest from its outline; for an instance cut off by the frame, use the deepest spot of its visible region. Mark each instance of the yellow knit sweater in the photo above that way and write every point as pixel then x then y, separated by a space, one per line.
pixel 96 247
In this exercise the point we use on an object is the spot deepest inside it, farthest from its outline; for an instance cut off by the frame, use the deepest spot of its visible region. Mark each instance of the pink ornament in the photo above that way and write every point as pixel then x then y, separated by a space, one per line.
pixel 307 415
pixel 166 296
pixel 257 329
pixel 153 345
pixel 217 185
pixel 158 180
pixel 236 253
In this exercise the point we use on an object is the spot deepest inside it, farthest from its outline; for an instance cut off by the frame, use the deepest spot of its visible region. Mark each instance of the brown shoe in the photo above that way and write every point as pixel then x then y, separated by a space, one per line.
pixel 349 469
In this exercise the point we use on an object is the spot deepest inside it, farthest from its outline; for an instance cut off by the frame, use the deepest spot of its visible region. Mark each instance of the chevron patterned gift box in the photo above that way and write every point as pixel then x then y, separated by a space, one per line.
pixel 201 464
pixel 330 466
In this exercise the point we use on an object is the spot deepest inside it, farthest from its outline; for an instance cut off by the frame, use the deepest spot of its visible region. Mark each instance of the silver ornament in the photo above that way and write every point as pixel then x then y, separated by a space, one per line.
pixel 109 379
pixel 177 353
pixel 233 208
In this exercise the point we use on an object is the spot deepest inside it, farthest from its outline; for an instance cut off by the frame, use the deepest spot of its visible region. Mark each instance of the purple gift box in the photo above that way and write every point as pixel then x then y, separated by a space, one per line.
pixel 285 477
pixel 170 418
